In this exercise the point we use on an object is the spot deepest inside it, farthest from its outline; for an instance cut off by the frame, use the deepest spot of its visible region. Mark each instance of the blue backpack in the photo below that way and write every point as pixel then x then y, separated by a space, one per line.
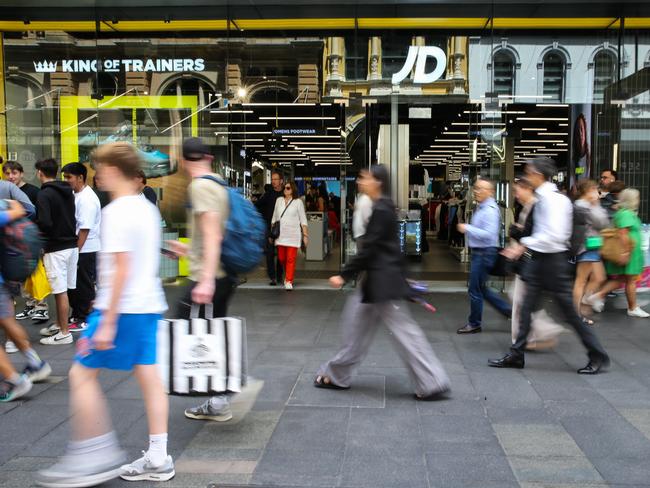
pixel 243 243
pixel 20 248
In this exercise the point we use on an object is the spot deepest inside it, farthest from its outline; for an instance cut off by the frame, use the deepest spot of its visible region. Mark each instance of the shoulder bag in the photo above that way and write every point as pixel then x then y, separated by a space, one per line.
pixel 275 227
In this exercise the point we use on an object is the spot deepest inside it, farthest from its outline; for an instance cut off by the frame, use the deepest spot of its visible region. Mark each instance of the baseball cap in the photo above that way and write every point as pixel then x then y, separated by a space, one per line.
pixel 194 149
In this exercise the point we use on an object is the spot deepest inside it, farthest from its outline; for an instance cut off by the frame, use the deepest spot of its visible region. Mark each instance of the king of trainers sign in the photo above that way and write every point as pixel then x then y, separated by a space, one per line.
pixel 117 65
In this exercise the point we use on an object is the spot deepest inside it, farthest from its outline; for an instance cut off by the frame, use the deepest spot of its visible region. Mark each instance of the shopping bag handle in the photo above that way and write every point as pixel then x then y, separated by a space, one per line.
pixel 195 311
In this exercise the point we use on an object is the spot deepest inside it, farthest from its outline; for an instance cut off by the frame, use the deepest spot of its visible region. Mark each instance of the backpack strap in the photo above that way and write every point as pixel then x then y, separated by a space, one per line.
pixel 215 179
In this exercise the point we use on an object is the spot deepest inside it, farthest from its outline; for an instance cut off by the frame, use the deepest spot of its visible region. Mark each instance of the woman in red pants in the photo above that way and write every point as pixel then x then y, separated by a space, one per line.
pixel 290 212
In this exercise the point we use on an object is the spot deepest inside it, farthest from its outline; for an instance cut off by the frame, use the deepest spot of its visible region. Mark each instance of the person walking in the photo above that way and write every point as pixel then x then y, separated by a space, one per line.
pixel 548 268
pixel 88 216
pixel 209 283
pixel 544 331
pixel 145 190
pixel 483 240
pixel 626 220
pixel 290 212
pixel 121 335
pixel 589 218
pixel 55 212
pixel 382 291
pixel 14 385
pixel 266 206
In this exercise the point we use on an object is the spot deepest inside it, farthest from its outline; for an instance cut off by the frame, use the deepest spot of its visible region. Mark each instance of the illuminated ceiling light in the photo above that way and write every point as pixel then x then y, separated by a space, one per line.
pixel 246 140
pixel 457 133
pixel 246 146
pixel 479 123
pixel 238 123
pixel 458 140
pixel 285 104
pixel 563 125
pixel 561 144
pixel 494 112
pixel 534 128
pixel 241 92
pixel 554 134
pixel 320 143
pixel 561 119
pixel 298 118
pixel 552 105
pixel 325 163
pixel 226 111
pixel 312 137
pixel 523 96
pixel 544 141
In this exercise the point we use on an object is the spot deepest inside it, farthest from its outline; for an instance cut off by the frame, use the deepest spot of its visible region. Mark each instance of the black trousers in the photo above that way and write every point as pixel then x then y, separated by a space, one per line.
pixel 552 273
pixel 82 297
pixel 223 291
pixel 273 265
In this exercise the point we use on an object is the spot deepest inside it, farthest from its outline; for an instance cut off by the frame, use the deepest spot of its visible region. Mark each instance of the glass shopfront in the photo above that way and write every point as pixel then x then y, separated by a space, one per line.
pixel 438 107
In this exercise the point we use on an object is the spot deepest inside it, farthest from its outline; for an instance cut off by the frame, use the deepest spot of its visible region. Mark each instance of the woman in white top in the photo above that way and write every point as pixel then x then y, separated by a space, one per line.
pixel 290 212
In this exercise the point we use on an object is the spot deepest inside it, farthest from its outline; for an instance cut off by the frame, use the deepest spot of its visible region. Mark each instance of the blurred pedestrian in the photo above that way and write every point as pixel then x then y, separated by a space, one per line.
pixel 12 384
pixel 383 289
pixel 144 189
pixel 548 268
pixel 121 335
pixel 626 220
pixel 56 219
pixel 483 240
pixel 608 191
pixel 266 206
pixel 544 331
pixel 88 216
pixel 589 218
pixel 290 212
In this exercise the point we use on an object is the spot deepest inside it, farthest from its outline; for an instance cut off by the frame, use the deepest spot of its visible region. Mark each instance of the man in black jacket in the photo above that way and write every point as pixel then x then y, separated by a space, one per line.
pixel 266 205
pixel 55 209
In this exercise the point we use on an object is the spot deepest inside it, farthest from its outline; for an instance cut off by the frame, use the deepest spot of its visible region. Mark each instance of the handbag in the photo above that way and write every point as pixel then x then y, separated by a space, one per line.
pixel 37 284
pixel 275 227
pixel 501 265
pixel 199 356
pixel 615 249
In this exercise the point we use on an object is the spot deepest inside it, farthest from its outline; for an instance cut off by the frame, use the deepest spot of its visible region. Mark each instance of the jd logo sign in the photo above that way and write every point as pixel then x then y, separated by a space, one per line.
pixel 417 56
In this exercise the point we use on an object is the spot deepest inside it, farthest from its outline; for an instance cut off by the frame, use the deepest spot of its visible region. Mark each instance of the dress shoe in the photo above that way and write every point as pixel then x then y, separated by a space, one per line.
pixel 594 367
pixel 469 329
pixel 508 361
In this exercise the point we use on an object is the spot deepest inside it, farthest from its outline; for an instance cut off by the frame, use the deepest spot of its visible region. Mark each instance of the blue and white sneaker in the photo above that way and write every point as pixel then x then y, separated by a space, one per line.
pixel 41 373
pixel 142 470
pixel 10 391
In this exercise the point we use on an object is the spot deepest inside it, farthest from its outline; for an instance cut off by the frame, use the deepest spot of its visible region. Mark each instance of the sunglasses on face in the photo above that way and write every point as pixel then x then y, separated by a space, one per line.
pixel 287 188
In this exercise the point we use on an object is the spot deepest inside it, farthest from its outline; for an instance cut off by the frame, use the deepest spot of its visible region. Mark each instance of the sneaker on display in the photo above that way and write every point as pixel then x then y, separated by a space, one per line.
pixel 80 470
pixel 40 315
pixel 57 339
pixel 25 314
pixel 35 374
pixel 10 391
pixel 77 326
pixel 639 313
pixel 142 470
pixel 206 411
pixel 10 347
pixel 50 330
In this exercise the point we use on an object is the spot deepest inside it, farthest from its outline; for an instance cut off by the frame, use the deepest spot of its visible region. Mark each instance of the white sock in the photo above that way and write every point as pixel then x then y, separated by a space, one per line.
pixel 157 449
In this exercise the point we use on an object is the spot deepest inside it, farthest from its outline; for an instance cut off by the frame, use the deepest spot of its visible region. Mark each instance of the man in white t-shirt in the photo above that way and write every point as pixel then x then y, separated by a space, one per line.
pixel 88 214
pixel 121 335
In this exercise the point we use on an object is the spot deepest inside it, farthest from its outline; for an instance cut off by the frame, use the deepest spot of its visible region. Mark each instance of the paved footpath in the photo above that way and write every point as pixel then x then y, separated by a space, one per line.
pixel 544 426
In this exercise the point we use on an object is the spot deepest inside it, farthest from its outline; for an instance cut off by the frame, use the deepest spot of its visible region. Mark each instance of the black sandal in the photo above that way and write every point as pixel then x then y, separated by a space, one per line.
pixel 326 382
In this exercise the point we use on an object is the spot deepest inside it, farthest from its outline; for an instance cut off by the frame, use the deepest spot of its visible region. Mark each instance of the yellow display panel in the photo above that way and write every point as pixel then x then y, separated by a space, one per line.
pixel 70 106
pixel 3 114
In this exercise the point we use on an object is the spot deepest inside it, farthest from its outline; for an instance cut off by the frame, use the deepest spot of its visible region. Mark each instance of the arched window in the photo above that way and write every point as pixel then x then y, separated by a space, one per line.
pixel 553 77
pixel 504 73
pixel 604 72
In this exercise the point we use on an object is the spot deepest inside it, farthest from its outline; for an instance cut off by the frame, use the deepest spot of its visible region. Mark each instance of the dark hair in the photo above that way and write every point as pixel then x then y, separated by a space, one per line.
pixel 524 183
pixel 612 171
pixel 120 155
pixel 12 166
pixel 380 173
pixel 294 188
pixel 49 167
pixel 142 176
pixel 76 169
pixel 616 187
pixel 544 166
pixel 276 172
pixel 585 186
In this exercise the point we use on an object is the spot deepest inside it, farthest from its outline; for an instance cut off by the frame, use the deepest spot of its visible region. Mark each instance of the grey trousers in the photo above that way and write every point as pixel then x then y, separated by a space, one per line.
pixel 359 325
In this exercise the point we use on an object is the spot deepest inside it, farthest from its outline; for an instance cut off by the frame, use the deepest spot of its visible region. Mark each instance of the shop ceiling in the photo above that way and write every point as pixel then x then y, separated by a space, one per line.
pixel 300 15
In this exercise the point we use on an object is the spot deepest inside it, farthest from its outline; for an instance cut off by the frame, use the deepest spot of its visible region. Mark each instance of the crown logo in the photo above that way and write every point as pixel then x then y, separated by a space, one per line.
pixel 45 66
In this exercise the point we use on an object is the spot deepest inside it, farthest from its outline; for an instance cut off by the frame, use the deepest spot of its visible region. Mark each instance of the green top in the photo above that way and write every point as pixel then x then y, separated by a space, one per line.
pixel 627 219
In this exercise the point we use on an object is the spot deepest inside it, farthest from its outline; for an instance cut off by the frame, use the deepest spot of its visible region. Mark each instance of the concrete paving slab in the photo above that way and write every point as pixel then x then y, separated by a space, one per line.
pixel 554 470
pixel 368 391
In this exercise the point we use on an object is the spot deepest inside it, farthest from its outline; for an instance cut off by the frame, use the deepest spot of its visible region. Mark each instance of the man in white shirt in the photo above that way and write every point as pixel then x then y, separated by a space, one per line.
pixel 88 215
pixel 547 268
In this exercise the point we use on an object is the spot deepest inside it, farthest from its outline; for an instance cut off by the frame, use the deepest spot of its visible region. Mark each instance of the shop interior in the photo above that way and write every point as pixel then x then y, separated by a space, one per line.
pixel 326 145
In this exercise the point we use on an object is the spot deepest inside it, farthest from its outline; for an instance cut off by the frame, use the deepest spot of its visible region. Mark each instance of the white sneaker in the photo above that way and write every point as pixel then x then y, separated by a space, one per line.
pixel 288 285
pixel 50 330
pixel 142 470
pixel 638 312
pixel 597 304
pixel 10 347
pixel 57 339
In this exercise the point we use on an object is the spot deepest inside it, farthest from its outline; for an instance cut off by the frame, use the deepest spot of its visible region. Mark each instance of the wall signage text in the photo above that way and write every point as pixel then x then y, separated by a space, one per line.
pixel 117 65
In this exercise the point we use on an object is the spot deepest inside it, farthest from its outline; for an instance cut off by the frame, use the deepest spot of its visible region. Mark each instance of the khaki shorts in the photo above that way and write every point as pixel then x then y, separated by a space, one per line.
pixel 61 269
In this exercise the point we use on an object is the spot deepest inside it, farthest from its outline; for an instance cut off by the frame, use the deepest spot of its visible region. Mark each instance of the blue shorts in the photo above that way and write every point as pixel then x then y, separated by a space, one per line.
pixel 135 342
pixel 589 257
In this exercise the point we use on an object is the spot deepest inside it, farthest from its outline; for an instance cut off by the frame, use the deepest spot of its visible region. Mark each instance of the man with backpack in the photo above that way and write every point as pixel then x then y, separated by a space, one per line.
pixel 208 213
pixel 55 210
pixel 14 385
